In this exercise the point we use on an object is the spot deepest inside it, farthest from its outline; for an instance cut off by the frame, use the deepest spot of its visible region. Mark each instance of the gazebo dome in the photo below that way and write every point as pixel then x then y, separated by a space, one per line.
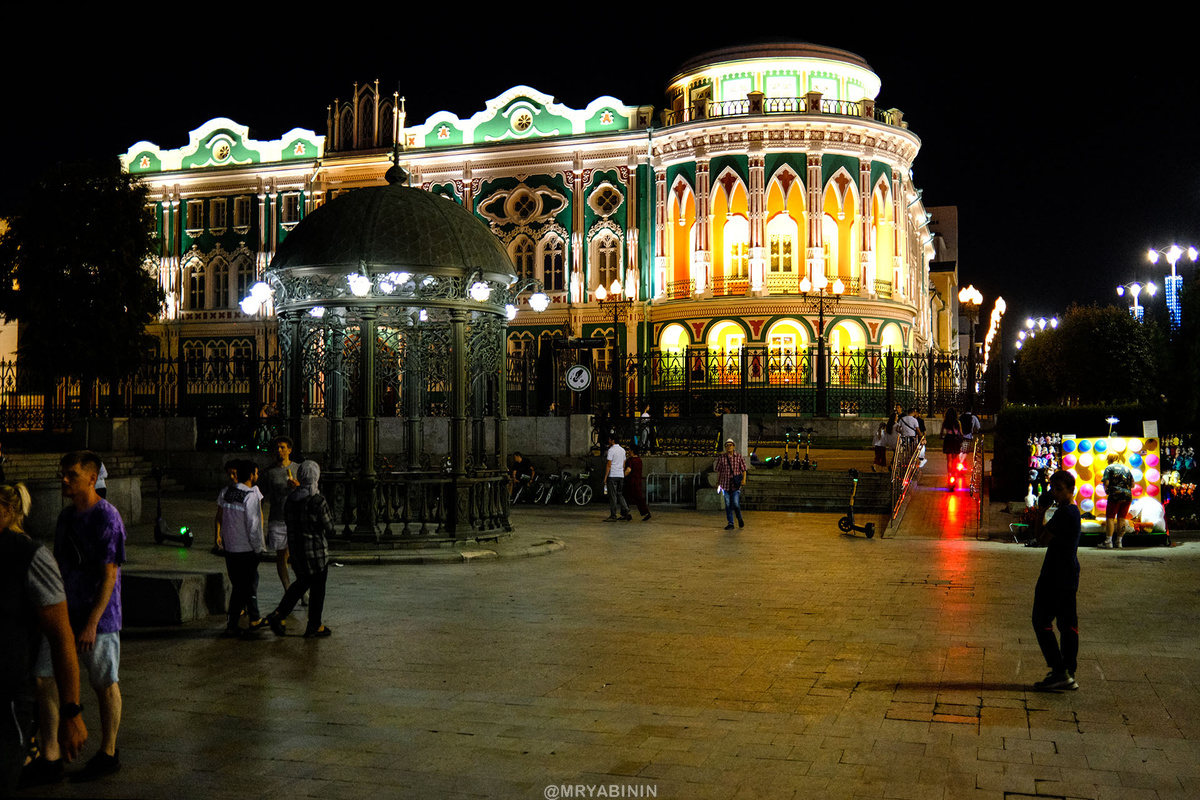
pixel 393 227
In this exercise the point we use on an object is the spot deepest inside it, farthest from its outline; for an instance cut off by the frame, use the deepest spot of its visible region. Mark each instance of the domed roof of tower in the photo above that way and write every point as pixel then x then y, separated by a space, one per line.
pixel 778 50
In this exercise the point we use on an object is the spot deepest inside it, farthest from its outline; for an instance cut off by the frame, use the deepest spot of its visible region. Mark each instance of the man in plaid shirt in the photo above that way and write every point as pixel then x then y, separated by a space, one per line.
pixel 731 476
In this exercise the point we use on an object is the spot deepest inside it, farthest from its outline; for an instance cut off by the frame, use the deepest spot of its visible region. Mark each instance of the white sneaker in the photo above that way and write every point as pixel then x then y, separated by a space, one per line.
pixel 1105 545
pixel 1057 682
pixel 1116 542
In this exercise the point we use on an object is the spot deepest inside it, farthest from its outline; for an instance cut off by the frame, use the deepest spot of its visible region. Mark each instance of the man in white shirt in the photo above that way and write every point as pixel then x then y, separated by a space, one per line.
pixel 614 473
pixel 241 525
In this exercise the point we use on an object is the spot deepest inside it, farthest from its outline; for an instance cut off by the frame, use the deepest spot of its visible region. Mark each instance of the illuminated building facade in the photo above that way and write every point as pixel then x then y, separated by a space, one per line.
pixel 771 170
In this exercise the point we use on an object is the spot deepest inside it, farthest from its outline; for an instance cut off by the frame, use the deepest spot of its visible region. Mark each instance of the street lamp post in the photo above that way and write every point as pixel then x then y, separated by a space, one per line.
pixel 971 298
pixel 1136 310
pixel 1174 281
pixel 620 309
pixel 819 302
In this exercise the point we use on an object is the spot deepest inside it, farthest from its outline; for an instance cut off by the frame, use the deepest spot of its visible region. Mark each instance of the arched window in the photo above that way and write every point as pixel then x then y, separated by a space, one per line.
pixel 829 234
pixel 608 260
pixel 194 285
pixel 782 236
pixel 220 282
pixel 553 264
pixel 737 244
pixel 243 271
pixel 522 256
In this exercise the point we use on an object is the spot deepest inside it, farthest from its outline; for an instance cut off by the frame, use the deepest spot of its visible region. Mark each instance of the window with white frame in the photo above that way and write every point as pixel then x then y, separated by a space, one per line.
pixel 608 259
pixel 219 268
pixel 782 234
pixel 243 270
pixel 291 209
pixel 216 219
pixel 522 256
pixel 553 264
pixel 195 217
pixel 194 284
pixel 737 243
pixel 241 214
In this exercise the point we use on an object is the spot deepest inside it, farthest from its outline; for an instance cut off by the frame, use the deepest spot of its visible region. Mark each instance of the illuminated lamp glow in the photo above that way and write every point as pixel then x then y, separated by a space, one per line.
pixel 838 286
pixel 1153 475
pixel 539 301
pixel 317 311
pixel 360 285
pixel 249 305
pixel 1133 445
pixel 510 311
pixel 480 292
pixel 1068 445
pixel 260 292
pixel 805 285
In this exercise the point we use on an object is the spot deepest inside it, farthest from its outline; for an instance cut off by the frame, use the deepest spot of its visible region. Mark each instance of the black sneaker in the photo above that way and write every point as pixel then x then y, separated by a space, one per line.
pixel 100 765
pixel 645 518
pixel 626 518
pixel 40 772
pixel 1056 682
pixel 729 527
pixel 741 524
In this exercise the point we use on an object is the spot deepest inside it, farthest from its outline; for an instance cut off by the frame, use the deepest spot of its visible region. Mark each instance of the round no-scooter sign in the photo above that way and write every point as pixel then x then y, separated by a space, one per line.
pixel 579 377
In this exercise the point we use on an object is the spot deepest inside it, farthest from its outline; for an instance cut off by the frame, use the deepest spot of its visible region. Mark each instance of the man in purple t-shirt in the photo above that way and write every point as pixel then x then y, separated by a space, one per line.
pixel 89 545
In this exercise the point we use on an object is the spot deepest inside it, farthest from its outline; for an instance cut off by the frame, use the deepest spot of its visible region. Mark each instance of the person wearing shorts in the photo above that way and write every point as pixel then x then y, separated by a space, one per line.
pixel 89 546
pixel 279 482
pixel 1118 484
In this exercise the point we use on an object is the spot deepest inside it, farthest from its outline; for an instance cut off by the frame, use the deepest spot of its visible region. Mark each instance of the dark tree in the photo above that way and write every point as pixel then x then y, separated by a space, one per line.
pixel 73 272
pixel 1095 356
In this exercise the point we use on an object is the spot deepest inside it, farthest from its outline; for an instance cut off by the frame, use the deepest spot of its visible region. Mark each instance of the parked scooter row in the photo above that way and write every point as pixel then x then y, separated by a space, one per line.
pixel 791 436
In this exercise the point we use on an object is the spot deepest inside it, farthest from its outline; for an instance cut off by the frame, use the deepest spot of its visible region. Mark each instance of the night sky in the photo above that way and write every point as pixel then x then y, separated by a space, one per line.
pixel 1069 146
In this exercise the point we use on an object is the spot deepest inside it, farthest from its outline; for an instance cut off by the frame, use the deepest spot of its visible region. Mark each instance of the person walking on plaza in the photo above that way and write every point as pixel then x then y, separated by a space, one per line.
pixel 33 604
pixel 635 486
pixel 1057 585
pixel 952 439
pixel 279 483
pixel 242 534
pixel 309 526
pixel 885 440
pixel 89 545
pixel 614 475
pixel 731 476
pixel 1118 484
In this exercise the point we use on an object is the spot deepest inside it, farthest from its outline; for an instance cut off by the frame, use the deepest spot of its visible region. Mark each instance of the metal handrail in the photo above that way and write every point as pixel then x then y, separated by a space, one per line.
pixel 906 473
pixel 978 452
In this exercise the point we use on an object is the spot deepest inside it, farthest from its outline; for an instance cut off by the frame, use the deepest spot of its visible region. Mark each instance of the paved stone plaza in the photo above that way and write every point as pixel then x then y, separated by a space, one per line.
pixel 672 659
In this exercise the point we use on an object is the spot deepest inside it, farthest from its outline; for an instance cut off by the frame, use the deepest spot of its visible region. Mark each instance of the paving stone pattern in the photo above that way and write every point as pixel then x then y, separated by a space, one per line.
pixel 673 659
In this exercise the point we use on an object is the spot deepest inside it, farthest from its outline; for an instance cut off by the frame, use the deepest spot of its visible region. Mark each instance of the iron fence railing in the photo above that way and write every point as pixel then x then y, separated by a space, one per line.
pixel 236 399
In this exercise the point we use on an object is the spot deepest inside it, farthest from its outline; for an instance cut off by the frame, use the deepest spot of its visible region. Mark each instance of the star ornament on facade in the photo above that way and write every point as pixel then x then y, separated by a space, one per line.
pixel 299 150
pixel 606 118
pixel 443 132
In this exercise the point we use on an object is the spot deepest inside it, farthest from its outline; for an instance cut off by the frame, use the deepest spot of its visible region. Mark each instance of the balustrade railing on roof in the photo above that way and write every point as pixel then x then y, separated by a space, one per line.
pixel 715 109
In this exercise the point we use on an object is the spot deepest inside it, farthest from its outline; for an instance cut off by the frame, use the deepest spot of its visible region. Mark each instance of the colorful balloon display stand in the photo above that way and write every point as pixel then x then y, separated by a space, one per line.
pixel 1087 459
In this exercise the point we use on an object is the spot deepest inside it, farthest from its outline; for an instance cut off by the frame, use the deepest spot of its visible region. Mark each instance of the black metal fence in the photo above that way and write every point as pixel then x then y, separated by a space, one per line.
pixel 238 392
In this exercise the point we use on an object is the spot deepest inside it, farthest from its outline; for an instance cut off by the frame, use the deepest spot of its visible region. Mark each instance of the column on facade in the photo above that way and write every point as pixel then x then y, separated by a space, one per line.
pixel 815 254
pixel 866 236
pixel 579 284
pixel 660 231
pixel 898 226
pixel 702 254
pixel 758 221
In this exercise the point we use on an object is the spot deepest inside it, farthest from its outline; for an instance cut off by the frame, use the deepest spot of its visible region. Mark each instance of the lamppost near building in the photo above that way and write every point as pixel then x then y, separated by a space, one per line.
pixel 1174 281
pixel 971 299
pixel 1136 310
pixel 819 302
pixel 620 310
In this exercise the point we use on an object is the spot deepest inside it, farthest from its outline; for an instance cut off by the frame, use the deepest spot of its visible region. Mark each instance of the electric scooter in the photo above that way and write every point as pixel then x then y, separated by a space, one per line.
pixel 806 464
pixel 786 463
pixel 846 523
pixel 161 534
